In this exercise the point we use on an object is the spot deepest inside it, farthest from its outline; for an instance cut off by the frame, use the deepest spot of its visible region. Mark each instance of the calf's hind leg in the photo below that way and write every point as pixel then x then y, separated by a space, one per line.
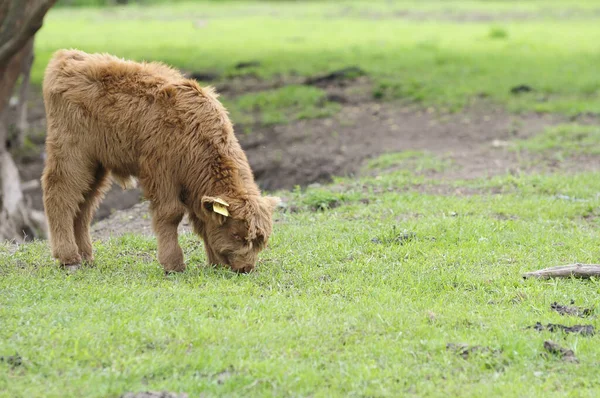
pixel 86 212
pixel 67 177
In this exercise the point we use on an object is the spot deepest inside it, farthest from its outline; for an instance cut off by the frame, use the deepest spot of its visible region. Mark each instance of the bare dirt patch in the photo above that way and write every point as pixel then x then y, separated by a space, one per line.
pixel 134 219
pixel 309 151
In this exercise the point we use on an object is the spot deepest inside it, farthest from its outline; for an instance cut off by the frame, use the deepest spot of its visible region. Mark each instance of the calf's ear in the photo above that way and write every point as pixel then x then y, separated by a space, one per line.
pixel 215 207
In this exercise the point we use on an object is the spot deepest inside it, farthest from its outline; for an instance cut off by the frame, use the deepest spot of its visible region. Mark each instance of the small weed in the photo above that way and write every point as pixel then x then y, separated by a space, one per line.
pixel 320 199
pixel 497 32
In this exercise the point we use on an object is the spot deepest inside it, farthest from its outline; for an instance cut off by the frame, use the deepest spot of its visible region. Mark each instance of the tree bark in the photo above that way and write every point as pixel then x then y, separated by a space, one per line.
pixel 18 221
pixel 19 21
pixel 22 124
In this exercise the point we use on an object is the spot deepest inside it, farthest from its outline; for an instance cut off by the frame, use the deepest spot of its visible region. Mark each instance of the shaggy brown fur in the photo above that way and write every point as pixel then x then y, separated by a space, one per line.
pixel 112 117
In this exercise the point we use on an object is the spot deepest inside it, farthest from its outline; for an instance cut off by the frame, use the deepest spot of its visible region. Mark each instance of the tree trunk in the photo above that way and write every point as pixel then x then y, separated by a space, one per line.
pixel 19 21
pixel 18 221
pixel 22 123
pixel 20 65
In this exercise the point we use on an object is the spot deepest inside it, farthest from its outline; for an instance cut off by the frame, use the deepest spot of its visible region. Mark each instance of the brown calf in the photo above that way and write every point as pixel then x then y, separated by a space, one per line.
pixel 111 117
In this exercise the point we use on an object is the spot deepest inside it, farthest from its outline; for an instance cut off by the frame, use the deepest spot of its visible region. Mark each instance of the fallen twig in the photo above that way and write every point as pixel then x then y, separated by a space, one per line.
pixel 566 271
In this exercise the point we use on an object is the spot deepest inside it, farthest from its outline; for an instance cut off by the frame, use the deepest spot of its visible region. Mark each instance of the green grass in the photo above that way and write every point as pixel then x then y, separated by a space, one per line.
pixel 281 105
pixel 564 140
pixel 351 300
pixel 103 3
pixel 444 63
pixel 365 280
pixel 498 33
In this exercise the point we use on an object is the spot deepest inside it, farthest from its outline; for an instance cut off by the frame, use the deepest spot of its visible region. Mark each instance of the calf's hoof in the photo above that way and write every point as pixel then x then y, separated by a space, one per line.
pixel 244 270
pixel 173 268
pixel 70 268
pixel 68 259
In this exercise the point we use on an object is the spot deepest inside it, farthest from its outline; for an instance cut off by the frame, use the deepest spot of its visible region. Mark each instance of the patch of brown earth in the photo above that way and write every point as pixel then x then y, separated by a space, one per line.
pixel 309 151
pixel 135 219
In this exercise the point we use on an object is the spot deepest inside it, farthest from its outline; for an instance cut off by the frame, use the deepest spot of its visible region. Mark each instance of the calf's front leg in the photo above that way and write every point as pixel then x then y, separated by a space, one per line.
pixel 200 230
pixel 165 220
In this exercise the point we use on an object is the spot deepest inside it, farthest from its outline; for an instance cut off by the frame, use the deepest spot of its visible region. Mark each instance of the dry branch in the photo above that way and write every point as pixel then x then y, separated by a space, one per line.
pixel 566 271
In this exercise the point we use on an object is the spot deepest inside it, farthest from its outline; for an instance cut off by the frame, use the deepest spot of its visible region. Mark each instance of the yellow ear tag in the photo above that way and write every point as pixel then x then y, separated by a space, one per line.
pixel 221 201
pixel 220 207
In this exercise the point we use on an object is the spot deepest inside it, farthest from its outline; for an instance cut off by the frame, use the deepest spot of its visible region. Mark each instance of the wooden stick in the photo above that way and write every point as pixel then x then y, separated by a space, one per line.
pixel 566 271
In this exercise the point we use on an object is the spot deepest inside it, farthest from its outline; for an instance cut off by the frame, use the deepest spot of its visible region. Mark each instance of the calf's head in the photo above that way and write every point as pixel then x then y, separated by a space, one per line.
pixel 236 230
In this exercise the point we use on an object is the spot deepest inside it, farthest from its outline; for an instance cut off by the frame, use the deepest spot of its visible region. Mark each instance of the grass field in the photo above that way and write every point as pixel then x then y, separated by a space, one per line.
pixel 440 62
pixel 354 300
pixel 366 280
